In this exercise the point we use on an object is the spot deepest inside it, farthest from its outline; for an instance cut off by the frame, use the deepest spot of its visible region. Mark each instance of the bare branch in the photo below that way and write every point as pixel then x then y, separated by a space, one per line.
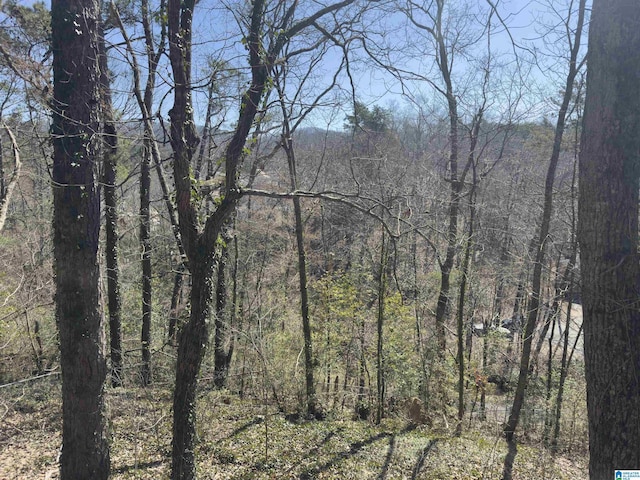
pixel 13 180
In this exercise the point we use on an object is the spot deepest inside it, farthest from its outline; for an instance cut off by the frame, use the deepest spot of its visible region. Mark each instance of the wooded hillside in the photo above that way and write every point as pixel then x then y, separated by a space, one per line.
pixel 283 239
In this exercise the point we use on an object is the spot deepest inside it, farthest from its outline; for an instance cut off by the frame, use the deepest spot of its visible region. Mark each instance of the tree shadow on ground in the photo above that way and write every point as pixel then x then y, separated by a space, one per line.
pixel 246 426
pixel 421 458
pixel 387 460
pixel 324 441
pixel 354 448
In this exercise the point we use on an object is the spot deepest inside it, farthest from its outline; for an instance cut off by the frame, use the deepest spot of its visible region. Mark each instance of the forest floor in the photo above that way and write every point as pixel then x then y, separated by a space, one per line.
pixel 239 439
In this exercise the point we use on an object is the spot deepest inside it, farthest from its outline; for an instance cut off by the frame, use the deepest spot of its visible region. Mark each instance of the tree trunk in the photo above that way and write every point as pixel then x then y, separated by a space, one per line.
pixel 145 253
pixel 76 227
pixel 310 387
pixel 206 130
pixel 151 151
pixel 564 370
pixel 382 287
pixel 287 144
pixel 569 286
pixel 483 394
pixel 35 340
pixel 111 219
pixel 540 240
pixel 200 238
pixel 362 407
pixel 153 57
pixel 550 317
pixel 3 190
pixel 466 266
pixel 193 338
pixel 608 236
pixel 519 300
pixel 460 314
pixel 423 385
pixel 176 297
pixel 549 380
pixel 442 306
pixel 221 356
pixel 233 314
pixel 199 244
pixel 456 183
pixel 8 185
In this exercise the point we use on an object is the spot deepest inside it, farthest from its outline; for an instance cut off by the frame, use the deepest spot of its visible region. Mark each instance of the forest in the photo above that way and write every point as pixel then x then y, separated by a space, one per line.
pixel 259 239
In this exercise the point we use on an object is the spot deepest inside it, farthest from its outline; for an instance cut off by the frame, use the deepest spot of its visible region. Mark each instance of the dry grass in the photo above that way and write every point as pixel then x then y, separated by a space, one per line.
pixel 243 440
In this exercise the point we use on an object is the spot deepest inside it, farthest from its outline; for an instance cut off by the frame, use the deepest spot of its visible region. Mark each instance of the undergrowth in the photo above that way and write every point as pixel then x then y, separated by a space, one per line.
pixel 241 439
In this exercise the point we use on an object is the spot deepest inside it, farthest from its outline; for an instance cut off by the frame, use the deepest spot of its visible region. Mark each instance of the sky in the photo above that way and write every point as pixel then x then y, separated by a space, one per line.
pixel 216 36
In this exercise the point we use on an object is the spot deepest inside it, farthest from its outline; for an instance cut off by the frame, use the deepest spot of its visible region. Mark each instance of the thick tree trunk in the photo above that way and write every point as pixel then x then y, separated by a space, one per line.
pixel 193 338
pixel 608 236
pixel 76 226
pixel 199 245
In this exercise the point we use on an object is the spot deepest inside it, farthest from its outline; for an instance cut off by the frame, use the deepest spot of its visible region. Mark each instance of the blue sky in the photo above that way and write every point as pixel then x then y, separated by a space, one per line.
pixel 216 34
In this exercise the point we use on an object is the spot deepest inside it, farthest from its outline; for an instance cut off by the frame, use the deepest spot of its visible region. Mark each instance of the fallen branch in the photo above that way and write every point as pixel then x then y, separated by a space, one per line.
pixel 25 380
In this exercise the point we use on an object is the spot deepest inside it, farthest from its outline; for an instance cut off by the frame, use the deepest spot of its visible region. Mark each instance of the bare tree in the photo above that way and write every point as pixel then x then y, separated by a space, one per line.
pixel 435 29
pixel 538 244
pixel 111 217
pixel 200 238
pixel 154 48
pixel 24 36
pixel 294 108
pixel 154 53
pixel 569 286
pixel 8 185
pixel 537 248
